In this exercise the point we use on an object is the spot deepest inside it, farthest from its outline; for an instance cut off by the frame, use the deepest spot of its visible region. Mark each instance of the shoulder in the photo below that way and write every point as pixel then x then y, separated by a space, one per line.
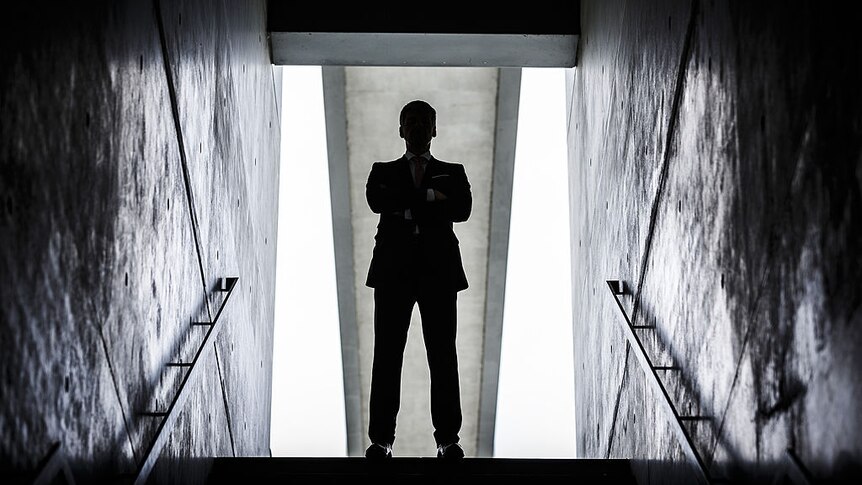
pixel 449 166
pixel 385 165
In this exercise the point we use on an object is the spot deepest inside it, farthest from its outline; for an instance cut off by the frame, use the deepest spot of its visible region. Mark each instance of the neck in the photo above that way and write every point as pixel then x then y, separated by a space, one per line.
pixel 418 150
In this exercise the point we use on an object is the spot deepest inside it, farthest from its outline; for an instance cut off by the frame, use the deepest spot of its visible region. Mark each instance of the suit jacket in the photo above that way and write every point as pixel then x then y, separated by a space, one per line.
pixel 399 252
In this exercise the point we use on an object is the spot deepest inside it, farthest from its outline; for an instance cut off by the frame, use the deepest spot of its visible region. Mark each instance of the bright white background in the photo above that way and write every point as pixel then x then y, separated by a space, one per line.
pixel 535 407
pixel 307 385
pixel 535 393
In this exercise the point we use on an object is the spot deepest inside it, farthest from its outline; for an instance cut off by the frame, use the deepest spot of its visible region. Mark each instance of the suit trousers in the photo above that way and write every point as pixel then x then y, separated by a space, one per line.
pixel 393 307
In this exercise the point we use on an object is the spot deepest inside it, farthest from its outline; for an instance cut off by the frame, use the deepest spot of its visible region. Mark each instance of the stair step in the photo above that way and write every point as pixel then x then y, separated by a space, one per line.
pixel 419 470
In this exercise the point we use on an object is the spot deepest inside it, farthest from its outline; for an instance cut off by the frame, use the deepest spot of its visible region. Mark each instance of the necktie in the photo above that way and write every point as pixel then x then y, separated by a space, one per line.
pixel 418 171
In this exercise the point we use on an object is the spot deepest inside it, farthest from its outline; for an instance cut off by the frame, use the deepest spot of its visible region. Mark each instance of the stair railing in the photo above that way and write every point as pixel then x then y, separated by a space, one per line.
pixel 791 467
pixel 169 416
pixel 618 288
pixel 54 468
pixel 793 470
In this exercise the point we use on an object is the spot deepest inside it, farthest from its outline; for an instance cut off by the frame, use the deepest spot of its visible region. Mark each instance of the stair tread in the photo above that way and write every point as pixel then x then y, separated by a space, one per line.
pixel 420 469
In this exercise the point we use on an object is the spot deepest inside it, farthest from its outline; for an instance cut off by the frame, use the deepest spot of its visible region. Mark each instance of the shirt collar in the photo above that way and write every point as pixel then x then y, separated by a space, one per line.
pixel 426 155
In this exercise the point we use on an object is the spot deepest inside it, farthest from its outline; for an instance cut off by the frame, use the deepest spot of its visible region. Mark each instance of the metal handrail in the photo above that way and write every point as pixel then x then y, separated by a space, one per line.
pixel 53 466
pixel 618 288
pixel 791 467
pixel 170 415
pixel 794 470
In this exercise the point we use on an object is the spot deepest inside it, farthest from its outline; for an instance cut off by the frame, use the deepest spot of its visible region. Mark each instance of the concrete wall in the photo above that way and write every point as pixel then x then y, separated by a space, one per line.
pixel 715 154
pixel 466 104
pixel 138 165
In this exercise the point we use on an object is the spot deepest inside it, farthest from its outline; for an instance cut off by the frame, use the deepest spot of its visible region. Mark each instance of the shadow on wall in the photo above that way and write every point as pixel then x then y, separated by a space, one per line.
pixel 787 471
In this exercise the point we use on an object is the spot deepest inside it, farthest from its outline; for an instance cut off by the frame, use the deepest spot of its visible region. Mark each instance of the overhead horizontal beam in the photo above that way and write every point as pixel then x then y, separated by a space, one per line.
pixel 423 49
pixel 537 17
pixel 540 33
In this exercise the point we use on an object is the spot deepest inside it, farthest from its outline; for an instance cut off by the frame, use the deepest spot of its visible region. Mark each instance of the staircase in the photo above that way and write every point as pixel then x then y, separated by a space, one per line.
pixel 417 470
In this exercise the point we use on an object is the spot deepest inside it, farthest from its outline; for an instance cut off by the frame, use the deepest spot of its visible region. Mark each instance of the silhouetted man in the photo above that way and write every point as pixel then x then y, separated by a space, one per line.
pixel 416 260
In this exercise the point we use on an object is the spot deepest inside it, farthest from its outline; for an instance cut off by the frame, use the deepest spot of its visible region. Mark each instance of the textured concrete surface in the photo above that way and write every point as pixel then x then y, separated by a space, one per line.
pixel 110 253
pixel 716 167
pixel 423 49
pixel 465 100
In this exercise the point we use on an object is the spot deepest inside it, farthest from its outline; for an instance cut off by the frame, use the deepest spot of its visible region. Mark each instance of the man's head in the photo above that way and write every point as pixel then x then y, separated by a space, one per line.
pixel 418 125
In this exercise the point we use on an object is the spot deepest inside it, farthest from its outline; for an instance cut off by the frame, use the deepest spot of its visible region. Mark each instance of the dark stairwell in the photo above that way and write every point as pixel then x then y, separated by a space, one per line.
pixel 472 471
pixel 715 166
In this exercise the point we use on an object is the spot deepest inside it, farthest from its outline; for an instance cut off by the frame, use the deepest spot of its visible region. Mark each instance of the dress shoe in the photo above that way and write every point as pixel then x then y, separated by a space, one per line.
pixel 379 450
pixel 451 451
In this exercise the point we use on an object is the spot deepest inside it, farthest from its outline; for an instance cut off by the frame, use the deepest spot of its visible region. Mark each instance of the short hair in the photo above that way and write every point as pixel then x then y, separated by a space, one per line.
pixel 420 106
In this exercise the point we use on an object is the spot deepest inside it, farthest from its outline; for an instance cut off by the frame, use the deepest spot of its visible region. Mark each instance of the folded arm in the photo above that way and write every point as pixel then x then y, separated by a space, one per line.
pixel 453 199
pixel 383 197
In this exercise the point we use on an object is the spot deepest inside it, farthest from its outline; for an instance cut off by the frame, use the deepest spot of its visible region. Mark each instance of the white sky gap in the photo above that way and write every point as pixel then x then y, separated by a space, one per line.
pixel 308 417
pixel 535 397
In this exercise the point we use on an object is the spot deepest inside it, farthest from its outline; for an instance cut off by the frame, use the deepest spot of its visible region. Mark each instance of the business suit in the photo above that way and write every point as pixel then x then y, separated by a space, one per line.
pixel 416 259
